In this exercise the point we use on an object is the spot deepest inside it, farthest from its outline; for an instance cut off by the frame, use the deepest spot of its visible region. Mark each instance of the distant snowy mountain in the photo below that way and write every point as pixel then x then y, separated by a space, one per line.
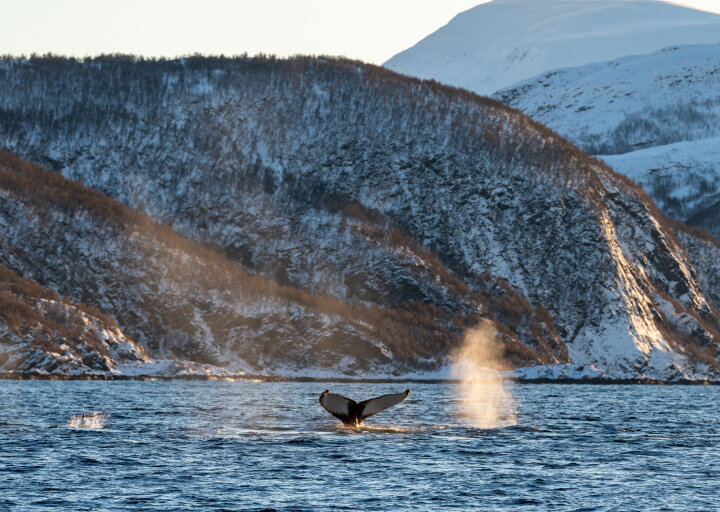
pixel 656 117
pixel 334 215
pixel 683 178
pixel 630 103
pixel 494 45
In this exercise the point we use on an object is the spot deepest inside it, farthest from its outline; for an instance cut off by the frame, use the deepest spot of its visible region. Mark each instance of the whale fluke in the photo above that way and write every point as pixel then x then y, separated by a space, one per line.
pixel 352 413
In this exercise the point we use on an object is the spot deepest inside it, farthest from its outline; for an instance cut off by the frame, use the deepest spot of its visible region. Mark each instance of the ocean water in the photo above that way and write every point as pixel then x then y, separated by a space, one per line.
pixel 221 445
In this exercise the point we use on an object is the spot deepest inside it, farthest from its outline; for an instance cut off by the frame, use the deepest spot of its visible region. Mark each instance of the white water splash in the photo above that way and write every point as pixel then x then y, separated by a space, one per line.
pixel 95 420
pixel 486 399
pixel 368 429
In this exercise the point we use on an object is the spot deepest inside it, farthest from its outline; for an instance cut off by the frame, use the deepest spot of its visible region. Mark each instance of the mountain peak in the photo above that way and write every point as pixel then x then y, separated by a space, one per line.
pixel 496 44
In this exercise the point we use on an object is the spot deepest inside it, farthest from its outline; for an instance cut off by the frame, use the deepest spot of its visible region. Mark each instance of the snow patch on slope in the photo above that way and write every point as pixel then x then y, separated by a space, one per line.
pixel 629 103
pixel 683 178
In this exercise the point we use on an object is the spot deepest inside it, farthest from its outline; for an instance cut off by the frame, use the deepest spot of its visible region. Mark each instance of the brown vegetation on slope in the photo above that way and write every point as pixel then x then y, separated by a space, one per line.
pixel 30 312
pixel 413 330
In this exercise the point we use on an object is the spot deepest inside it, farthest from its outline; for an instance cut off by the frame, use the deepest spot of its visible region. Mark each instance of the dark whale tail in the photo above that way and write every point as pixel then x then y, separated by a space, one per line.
pixel 352 413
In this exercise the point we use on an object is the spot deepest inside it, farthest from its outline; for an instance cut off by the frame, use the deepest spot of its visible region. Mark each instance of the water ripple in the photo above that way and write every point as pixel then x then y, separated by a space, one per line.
pixel 255 446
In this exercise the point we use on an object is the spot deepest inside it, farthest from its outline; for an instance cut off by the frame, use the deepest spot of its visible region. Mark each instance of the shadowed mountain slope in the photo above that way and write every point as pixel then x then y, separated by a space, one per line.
pixel 43 333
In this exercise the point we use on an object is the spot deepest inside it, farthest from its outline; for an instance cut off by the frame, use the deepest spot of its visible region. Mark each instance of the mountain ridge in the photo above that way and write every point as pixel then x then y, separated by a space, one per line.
pixel 45 334
pixel 371 334
pixel 329 174
pixel 496 44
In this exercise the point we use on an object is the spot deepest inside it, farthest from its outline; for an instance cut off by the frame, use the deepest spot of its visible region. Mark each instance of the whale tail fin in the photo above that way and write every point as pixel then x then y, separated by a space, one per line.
pixel 339 406
pixel 352 413
pixel 379 404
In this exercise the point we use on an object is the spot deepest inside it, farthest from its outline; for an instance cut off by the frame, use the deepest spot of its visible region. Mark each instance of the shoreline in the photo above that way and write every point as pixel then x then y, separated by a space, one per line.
pixel 399 380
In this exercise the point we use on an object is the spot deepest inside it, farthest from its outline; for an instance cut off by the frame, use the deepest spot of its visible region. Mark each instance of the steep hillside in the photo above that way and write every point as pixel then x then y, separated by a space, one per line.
pixel 494 45
pixel 655 117
pixel 421 206
pixel 704 251
pixel 43 333
pixel 181 300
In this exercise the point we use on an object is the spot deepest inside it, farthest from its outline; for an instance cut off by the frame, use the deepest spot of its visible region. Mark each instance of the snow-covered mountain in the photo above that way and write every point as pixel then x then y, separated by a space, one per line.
pixel 630 103
pixel 655 117
pixel 496 44
pixel 682 178
pixel 612 76
pixel 395 213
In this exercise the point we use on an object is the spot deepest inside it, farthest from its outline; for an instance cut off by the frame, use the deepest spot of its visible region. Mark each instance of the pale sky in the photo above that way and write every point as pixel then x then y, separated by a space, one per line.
pixel 369 30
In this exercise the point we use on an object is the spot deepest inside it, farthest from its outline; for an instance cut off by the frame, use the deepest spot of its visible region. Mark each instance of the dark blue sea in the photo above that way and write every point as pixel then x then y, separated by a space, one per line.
pixel 221 445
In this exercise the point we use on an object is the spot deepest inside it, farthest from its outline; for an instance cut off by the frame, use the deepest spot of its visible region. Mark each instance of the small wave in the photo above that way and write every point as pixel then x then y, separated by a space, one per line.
pixel 525 428
pixel 94 420
pixel 368 429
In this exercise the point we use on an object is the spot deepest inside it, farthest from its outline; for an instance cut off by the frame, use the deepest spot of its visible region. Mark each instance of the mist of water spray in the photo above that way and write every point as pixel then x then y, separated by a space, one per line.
pixel 486 398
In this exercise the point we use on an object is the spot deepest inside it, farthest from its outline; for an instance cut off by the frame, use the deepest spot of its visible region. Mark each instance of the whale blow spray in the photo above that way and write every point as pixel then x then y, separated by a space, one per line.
pixel 485 397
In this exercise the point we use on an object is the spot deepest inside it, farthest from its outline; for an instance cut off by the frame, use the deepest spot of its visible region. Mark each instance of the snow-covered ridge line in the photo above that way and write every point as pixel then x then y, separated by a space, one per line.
pixel 496 44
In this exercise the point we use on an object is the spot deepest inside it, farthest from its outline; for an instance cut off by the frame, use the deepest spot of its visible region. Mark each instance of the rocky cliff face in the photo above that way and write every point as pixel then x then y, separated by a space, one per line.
pixel 703 249
pixel 42 333
pixel 423 207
